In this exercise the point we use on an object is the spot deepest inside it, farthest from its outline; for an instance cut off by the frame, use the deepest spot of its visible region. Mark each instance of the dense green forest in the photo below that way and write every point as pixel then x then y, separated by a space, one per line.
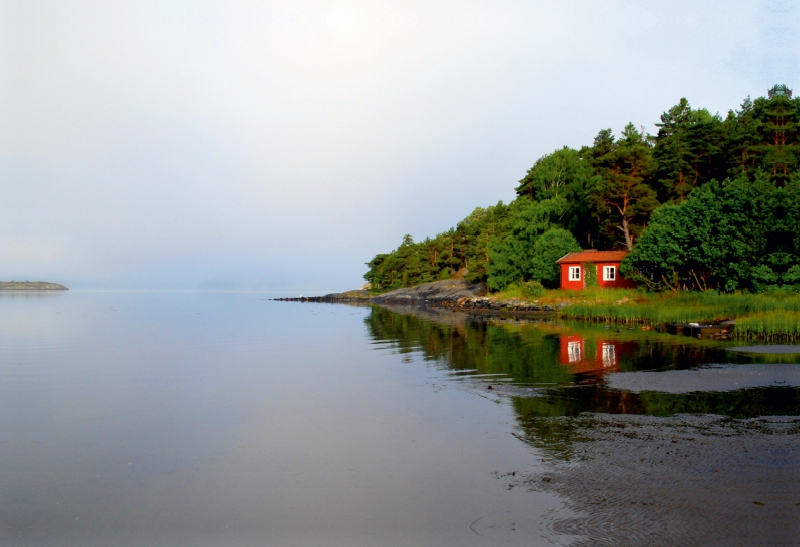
pixel 708 202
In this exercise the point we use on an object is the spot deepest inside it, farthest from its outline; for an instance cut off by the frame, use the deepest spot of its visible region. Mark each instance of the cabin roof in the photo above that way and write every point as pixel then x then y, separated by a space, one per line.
pixel 592 255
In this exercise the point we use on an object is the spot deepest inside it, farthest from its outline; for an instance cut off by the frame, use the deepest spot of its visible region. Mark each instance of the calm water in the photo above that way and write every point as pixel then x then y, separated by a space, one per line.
pixel 228 419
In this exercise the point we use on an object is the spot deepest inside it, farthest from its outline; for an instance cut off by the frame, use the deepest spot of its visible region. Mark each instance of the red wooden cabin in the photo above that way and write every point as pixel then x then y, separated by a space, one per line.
pixel 573 275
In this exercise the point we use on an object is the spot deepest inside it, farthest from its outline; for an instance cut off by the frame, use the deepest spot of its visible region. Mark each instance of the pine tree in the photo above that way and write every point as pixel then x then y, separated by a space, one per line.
pixel 622 199
pixel 687 151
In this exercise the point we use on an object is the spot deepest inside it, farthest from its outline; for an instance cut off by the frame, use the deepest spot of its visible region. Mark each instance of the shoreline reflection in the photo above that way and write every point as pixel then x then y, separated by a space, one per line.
pixel 649 438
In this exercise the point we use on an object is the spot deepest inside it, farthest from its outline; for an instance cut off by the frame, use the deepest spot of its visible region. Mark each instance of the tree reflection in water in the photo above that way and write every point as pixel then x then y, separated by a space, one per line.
pixel 719 465
pixel 568 362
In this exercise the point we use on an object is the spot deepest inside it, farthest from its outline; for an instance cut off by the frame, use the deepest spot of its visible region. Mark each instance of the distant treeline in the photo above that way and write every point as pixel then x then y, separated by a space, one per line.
pixel 706 203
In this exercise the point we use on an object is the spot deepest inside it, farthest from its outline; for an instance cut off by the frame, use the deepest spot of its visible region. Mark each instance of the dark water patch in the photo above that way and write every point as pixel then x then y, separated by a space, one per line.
pixel 553 421
pixel 685 480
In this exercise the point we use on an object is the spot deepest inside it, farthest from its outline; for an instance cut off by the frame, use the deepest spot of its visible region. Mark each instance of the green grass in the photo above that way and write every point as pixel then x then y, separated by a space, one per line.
pixel 773 326
pixel 527 292
pixel 770 316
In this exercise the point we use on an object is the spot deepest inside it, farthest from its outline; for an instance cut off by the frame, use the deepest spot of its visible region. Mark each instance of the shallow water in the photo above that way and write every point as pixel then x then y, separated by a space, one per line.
pixel 213 418
pixel 649 439
pixel 774 349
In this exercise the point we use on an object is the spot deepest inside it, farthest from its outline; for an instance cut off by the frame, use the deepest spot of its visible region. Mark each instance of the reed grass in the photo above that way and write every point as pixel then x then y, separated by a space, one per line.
pixel 767 316
pixel 775 327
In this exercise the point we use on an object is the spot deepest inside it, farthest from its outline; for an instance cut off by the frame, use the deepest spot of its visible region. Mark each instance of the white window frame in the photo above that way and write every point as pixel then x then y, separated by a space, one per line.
pixel 609 273
pixel 574 273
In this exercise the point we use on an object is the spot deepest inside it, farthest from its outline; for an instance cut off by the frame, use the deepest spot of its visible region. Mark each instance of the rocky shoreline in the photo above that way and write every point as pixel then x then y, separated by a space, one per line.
pixel 31 286
pixel 455 294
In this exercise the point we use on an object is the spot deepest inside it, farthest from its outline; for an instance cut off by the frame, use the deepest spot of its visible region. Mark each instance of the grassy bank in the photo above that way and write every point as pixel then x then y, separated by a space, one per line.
pixel 773 317
pixel 775 326
pixel 770 317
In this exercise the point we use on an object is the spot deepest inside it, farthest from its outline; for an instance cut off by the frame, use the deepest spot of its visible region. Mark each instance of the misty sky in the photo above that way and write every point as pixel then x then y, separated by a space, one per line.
pixel 281 145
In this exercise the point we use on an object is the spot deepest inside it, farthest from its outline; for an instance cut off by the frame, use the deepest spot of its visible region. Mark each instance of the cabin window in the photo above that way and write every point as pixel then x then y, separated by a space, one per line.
pixel 574 351
pixel 609 355
pixel 609 273
pixel 574 273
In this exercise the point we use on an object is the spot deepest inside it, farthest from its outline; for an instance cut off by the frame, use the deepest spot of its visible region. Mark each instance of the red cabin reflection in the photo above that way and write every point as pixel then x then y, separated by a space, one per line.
pixel 594 358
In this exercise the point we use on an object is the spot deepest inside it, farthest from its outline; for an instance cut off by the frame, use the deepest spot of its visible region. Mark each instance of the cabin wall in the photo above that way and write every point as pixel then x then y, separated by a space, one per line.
pixel 619 282
pixel 567 283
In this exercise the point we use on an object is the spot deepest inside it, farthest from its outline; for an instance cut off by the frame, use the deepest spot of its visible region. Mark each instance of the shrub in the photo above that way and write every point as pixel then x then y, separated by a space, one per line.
pixel 532 289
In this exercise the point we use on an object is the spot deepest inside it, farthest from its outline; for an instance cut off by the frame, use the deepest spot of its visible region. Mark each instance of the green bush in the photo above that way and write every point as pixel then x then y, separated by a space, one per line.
pixel 528 290
pixel 532 289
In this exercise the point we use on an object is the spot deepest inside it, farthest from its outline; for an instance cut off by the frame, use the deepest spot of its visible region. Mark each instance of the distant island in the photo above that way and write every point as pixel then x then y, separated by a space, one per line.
pixel 31 286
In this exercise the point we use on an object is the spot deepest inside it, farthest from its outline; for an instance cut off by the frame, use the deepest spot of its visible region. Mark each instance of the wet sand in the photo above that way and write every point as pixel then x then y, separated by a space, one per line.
pixel 682 480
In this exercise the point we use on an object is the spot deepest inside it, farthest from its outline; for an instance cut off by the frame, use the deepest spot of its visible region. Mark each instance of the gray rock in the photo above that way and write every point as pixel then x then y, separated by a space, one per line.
pixel 450 290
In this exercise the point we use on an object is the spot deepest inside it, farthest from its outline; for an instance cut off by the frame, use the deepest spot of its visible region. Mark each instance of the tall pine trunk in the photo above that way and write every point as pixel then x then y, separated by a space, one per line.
pixel 627 232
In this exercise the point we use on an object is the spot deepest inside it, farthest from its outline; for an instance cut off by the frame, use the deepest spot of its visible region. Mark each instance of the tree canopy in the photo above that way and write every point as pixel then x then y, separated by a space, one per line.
pixel 707 202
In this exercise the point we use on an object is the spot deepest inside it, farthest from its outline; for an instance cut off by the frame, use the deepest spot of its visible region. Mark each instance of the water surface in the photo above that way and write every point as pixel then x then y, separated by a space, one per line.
pixel 213 418
pixel 650 439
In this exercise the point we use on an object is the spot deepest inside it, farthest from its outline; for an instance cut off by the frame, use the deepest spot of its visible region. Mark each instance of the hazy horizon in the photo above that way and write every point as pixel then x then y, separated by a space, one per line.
pixel 279 146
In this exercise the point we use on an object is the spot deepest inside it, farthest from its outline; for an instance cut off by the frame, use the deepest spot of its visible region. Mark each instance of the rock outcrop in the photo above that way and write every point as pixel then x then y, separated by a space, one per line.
pixel 437 292
pixel 30 286
pixel 349 296
pixel 452 294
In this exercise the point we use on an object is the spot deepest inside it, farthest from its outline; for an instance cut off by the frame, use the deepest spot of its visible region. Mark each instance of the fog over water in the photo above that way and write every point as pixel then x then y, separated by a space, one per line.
pixel 281 145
